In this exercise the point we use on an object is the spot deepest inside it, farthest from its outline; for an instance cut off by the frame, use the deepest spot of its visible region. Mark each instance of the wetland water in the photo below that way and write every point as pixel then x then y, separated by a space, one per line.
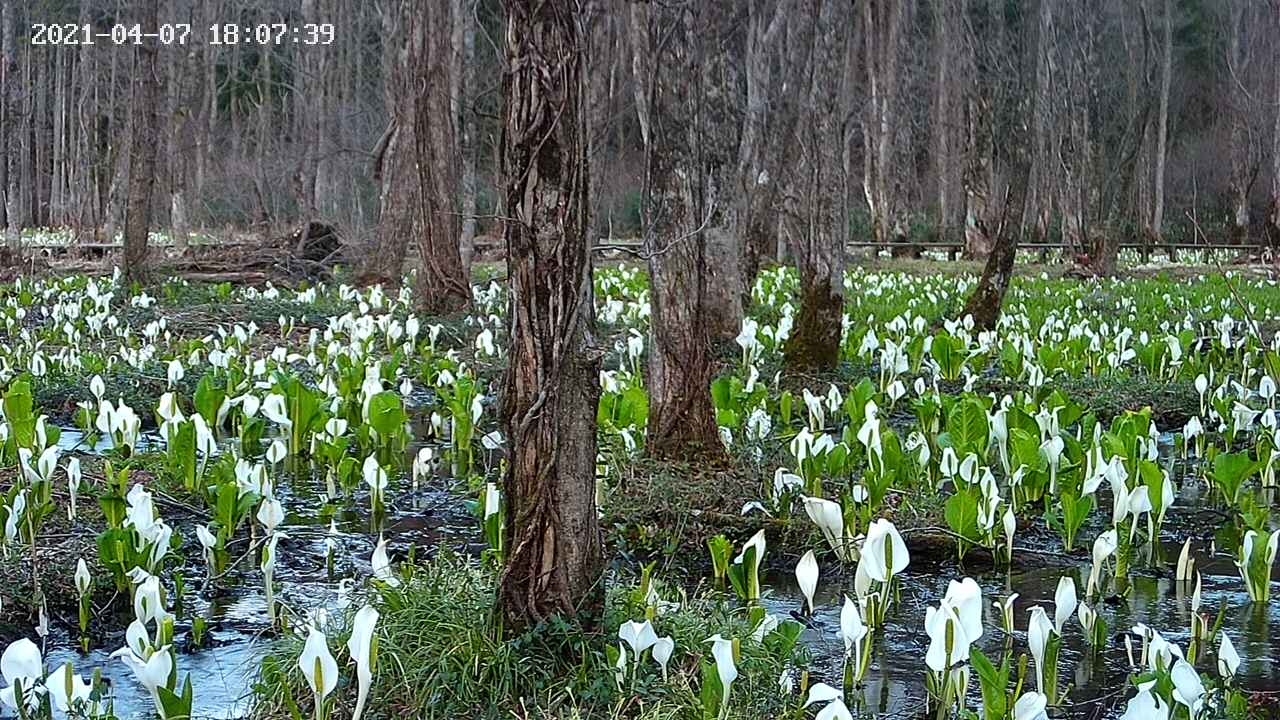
pixel 432 516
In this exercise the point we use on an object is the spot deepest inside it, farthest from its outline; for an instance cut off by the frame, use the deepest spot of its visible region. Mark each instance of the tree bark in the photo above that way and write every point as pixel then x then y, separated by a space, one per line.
pixel 419 163
pixel 443 285
pixel 467 133
pixel 1238 58
pixel 882 23
pixel 758 175
pixel 987 298
pixel 398 218
pixel 10 168
pixel 681 204
pixel 555 563
pixel 1162 129
pixel 815 339
pixel 1274 225
pixel 142 146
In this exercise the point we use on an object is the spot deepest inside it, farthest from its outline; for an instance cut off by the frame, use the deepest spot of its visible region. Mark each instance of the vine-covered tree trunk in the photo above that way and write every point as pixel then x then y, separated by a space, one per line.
pixel 682 202
pixel 554 563
pixel 142 146
pixel 815 339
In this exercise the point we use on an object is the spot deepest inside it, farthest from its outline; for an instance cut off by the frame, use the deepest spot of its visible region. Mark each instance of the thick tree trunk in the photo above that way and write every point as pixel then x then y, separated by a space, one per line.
pixel 815 339
pixel 682 193
pixel 883 22
pixel 419 164
pixel 754 216
pixel 443 285
pixel 554 564
pixel 398 217
pixel 142 147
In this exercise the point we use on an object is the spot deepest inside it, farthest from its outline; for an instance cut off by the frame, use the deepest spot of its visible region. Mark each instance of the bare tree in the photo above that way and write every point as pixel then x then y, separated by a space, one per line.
pixel 9 145
pixel 683 186
pixel 759 149
pixel 395 155
pixel 883 23
pixel 420 162
pixel 1162 131
pixel 819 244
pixel 1273 229
pixel 1241 142
pixel 554 563
pixel 142 147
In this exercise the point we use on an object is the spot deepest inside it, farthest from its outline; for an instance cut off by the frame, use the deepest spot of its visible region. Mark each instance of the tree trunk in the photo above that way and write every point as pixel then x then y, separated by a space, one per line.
pixel 175 158
pixel 555 563
pixel 419 163
pixel 815 340
pixel 467 134
pixel 1273 228
pixel 10 168
pixel 985 301
pixel 754 214
pixel 443 285
pixel 681 193
pixel 1162 128
pixel 142 147
pixel 1238 187
pixel 882 23
pixel 398 218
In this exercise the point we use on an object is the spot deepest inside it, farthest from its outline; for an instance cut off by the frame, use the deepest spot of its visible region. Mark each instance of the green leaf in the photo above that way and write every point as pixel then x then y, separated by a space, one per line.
pixel 386 414
pixel 208 398
pixel 711 692
pixel 968 427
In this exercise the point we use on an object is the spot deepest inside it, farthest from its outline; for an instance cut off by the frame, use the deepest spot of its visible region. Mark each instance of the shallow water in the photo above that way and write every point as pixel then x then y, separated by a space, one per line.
pixel 434 516
pixel 894 684
pixel 238 631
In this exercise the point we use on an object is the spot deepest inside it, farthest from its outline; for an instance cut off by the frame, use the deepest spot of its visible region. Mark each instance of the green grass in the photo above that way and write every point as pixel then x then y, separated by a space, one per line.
pixel 440 655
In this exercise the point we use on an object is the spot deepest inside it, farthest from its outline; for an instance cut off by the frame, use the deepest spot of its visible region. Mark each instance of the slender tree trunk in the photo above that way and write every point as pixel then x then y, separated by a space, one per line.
pixel 1238 187
pixel 555 563
pixel 987 298
pixel 175 158
pixel 815 340
pixel 1162 129
pixel 943 37
pixel 681 193
pixel 1274 224
pixel 142 148
pixel 467 134
pixel 10 167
